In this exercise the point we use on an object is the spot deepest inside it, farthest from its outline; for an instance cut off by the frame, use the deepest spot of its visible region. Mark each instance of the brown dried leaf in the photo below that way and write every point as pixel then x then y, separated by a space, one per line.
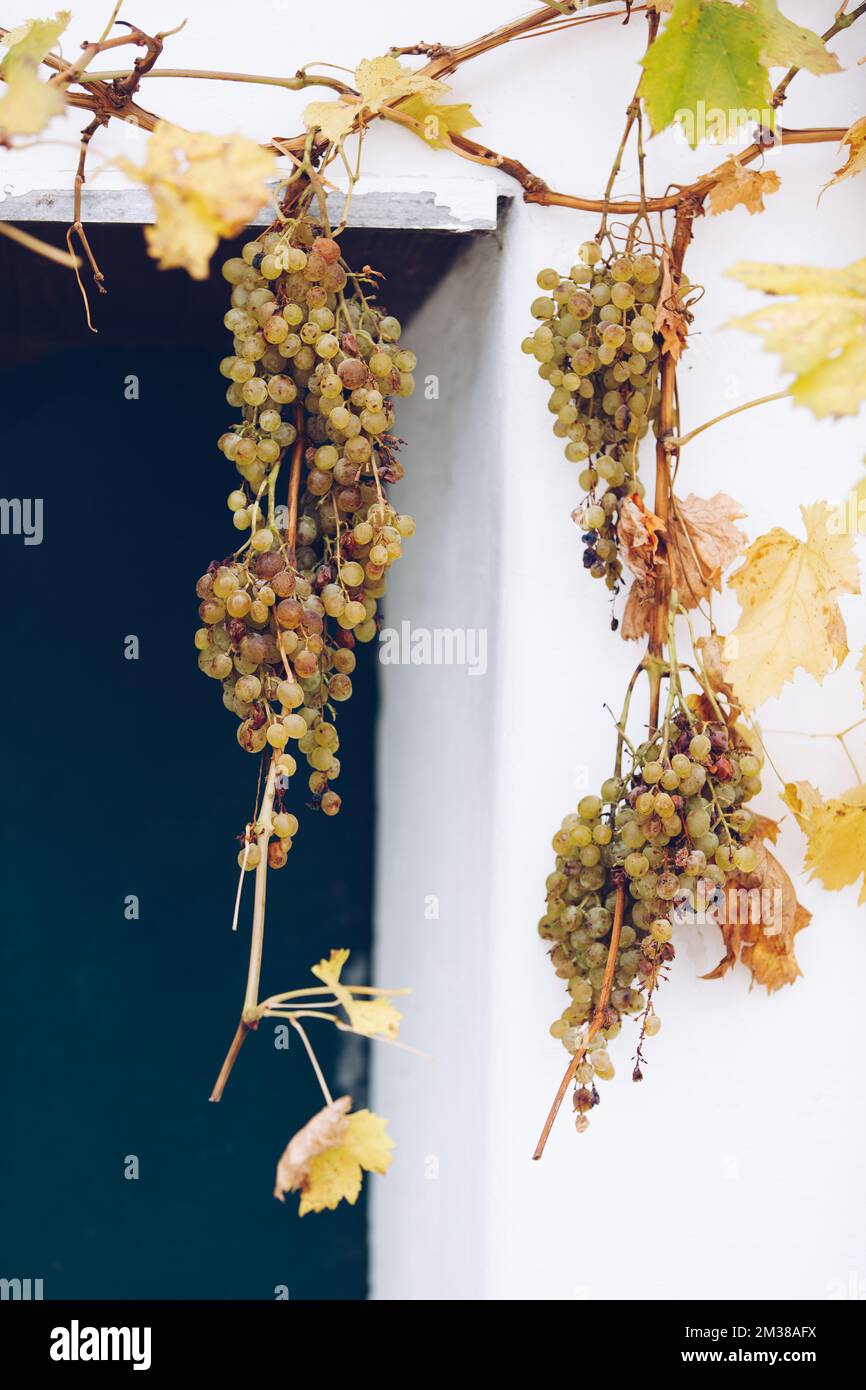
pixel 638 535
pixel 702 541
pixel 324 1131
pixel 710 652
pixel 771 959
pixel 761 918
pixel 767 829
pixel 736 185
pixel 638 531
pixel 855 139
pixel 638 611
pixel 671 320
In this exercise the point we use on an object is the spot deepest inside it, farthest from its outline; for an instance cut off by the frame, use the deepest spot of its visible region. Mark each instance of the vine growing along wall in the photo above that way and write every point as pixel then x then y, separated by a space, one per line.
pixel 314 377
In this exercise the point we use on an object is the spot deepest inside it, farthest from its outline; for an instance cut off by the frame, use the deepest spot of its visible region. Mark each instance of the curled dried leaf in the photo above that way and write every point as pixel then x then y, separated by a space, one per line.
pixel 672 318
pixel 700 542
pixel 736 185
pixel 710 650
pixel 326 1160
pixel 326 1129
pixel 637 614
pixel 638 531
pixel 759 917
pixel 855 139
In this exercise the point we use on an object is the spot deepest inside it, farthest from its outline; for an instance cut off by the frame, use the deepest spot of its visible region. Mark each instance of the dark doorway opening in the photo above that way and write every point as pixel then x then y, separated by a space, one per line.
pixel 123 777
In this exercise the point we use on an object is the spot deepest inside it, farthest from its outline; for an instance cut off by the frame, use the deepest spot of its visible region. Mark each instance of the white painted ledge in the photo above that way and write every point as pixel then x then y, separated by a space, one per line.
pixel 456 205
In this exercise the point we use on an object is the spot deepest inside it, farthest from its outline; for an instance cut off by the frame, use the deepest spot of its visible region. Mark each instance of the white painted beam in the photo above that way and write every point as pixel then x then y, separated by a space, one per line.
pixel 456 205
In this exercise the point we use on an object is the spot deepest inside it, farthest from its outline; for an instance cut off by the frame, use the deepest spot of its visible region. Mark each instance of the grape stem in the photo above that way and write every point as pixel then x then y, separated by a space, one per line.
pixel 623 718
pixel 251 1011
pixel 264 826
pixel 842 21
pixel 295 485
pixel 314 1061
pixel 685 215
pixel 230 1059
pixel 76 227
pixel 595 1025
pixel 632 115
pixel 674 443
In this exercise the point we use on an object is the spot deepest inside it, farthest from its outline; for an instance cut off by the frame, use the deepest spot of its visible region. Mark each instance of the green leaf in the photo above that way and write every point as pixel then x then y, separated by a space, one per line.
pixel 706 66
pixel 439 122
pixel 787 45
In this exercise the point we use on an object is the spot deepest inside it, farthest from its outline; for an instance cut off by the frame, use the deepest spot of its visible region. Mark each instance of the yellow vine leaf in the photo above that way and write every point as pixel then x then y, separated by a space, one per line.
pixel 820 335
pixel 788 45
pixel 203 187
pixel 835 831
pixel 325 1161
pixel 27 104
pixel 738 186
pixel 439 123
pixel 855 139
pixel 787 589
pixel 378 80
pixel 375 1017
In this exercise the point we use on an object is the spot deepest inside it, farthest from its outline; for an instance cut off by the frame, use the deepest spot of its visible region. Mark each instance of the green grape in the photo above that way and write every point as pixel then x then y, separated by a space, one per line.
pixel 745 859
pixel 700 747
pixel 636 865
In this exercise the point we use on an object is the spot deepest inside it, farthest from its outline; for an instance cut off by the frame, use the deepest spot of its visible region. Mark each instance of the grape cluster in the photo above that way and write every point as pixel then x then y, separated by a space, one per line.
pixel 314 369
pixel 595 346
pixel 670 835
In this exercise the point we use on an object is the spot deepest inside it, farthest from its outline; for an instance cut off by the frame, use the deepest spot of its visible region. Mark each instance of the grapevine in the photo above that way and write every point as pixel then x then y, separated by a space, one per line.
pixel 314 376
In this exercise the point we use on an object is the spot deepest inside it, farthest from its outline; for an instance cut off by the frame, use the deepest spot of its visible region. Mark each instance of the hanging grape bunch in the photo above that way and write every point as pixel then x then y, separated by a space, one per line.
pixel 314 368
pixel 674 835
pixel 595 347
